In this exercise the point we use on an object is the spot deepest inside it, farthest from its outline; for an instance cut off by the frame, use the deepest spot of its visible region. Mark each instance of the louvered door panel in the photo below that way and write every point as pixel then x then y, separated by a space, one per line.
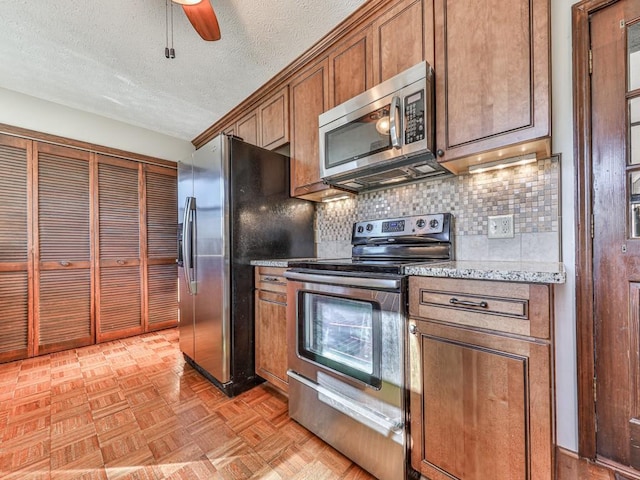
pixel 163 302
pixel 13 204
pixel 162 272
pixel 14 315
pixel 64 213
pixel 15 319
pixel 63 312
pixel 119 297
pixel 119 212
pixel 64 309
pixel 120 307
pixel 162 202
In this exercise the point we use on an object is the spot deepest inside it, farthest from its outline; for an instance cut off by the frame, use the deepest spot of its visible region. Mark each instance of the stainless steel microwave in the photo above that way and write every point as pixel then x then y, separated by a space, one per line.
pixel 383 136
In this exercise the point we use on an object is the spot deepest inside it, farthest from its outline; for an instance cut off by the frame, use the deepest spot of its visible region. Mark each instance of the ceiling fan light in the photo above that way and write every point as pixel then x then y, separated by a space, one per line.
pixel 187 2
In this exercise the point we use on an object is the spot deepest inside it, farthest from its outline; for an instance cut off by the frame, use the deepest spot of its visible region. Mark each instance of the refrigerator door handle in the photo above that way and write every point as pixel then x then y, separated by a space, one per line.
pixel 187 242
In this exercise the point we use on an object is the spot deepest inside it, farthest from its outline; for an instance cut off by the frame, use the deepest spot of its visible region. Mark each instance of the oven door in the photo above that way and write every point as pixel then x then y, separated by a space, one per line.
pixel 346 365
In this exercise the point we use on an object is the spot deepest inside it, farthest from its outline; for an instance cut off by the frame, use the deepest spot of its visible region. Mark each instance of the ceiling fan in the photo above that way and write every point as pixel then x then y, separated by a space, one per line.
pixel 201 15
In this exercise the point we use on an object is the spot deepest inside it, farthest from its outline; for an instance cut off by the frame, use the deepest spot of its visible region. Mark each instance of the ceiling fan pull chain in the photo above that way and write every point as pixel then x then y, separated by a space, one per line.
pixel 166 28
pixel 168 52
pixel 172 52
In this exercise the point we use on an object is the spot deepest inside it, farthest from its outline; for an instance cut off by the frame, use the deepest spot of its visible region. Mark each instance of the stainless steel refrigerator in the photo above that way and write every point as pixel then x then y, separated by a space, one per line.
pixel 233 207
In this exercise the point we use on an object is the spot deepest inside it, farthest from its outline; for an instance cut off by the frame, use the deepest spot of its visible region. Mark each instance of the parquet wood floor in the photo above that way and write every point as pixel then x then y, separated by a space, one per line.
pixel 133 409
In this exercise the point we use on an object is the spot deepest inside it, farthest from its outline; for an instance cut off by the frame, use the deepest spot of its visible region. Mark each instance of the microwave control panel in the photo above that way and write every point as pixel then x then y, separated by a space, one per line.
pixel 414 117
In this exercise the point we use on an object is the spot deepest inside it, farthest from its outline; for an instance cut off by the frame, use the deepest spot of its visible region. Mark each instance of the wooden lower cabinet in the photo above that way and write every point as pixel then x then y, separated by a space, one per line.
pixel 271 326
pixel 481 400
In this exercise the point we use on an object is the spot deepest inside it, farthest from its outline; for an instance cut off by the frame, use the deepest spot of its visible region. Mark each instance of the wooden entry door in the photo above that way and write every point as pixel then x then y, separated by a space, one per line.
pixel 615 122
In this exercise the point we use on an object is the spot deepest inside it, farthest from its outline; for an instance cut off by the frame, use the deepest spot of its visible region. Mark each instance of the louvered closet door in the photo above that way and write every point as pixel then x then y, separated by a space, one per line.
pixel 63 285
pixel 15 323
pixel 119 295
pixel 162 271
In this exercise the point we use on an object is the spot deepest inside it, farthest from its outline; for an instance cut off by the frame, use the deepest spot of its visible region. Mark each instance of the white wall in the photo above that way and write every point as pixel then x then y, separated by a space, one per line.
pixel 32 113
pixel 562 122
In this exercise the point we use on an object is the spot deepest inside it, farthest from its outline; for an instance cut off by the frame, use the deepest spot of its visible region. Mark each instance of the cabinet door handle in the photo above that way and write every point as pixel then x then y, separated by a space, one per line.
pixel 413 329
pixel 120 262
pixel 64 263
pixel 466 303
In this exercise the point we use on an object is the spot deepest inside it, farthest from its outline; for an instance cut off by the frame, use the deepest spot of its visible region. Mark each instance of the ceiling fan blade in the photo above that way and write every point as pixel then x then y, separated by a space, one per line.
pixel 203 19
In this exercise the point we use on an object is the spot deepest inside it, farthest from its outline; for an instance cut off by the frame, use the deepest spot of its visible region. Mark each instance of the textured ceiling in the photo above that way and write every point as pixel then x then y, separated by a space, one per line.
pixel 107 56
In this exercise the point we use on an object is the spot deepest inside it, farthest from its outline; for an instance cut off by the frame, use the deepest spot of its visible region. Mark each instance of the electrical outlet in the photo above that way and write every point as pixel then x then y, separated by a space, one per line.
pixel 501 226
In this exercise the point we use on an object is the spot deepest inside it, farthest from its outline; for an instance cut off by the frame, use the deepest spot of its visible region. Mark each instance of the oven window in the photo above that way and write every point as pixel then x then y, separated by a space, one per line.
pixel 362 137
pixel 342 334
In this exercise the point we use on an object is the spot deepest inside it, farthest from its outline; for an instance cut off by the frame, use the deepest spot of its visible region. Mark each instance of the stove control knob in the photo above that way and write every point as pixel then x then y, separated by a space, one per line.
pixel 434 223
pixel 421 223
pixel 369 227
pixel 360 229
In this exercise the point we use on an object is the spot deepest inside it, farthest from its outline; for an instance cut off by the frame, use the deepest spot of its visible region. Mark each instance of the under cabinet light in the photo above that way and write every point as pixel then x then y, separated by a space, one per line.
pixel 187 2
pixel 335 198
pixel 500 164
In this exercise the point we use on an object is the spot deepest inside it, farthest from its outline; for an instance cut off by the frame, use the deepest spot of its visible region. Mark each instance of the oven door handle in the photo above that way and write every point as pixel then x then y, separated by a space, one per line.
pixel 375 421
pixel 365 282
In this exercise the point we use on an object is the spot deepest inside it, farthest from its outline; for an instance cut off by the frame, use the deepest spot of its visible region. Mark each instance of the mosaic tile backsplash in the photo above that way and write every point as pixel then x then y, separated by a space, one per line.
pixel 530 192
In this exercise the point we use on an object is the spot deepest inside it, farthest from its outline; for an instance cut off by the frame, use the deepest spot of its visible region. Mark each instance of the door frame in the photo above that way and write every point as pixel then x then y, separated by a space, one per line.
pixel 584 222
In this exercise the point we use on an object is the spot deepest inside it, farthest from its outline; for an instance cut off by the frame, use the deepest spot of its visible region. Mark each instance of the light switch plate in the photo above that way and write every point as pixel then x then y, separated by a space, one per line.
pixel 501 226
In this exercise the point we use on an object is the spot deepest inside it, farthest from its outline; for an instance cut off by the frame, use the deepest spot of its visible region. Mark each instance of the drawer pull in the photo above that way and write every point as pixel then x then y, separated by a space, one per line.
pixel 120 262
pixel 271 279
pixel 64 263
pixel 466 303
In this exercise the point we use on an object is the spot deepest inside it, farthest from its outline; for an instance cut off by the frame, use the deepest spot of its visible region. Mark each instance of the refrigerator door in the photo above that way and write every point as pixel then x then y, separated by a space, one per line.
pixel 185 299
pixel 265 223
pixel 211 282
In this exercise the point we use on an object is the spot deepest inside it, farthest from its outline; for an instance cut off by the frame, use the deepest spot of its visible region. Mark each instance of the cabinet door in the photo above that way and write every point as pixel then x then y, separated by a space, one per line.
pixel 119 296
pixel 162 271
pixel 309 98
pixel 62 270
pixel 492 84
pixel 271 337
pixel 248 128
pixel 480 405
pixel 15 318
pixel 274 120
pixel 350 67
pixel 403 36
pixel 271 326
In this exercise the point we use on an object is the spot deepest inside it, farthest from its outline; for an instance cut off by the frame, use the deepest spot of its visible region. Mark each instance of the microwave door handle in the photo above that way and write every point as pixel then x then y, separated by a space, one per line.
pixel 394 120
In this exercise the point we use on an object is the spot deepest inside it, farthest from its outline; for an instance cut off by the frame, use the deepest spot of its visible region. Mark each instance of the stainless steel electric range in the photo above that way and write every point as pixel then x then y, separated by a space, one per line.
pixel 346 331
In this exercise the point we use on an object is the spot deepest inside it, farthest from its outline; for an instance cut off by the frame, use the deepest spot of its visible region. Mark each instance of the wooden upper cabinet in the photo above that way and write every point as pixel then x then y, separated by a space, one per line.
pixel 351 67
pixel 118 296
pixel 248 128
pixel 15 317
pixel 402 36
pixel 492 84
pixel 62 237
pixel 274 120
pixel 309 98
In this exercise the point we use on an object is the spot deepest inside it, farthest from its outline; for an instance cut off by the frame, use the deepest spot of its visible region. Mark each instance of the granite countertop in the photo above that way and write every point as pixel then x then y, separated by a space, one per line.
pixel 529 272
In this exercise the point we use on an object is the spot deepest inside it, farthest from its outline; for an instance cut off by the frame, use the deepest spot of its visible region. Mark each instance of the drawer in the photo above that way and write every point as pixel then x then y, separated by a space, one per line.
pixel 517 308
pixel 271 279
pixel 272 297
